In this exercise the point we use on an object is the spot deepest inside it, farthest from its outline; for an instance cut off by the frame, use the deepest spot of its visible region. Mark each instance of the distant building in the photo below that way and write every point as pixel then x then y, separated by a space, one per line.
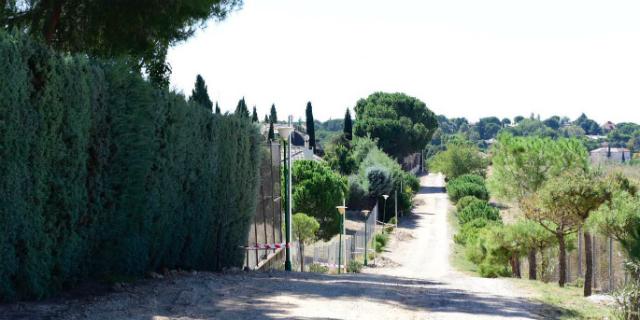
pixel 613 155
pixel 608 126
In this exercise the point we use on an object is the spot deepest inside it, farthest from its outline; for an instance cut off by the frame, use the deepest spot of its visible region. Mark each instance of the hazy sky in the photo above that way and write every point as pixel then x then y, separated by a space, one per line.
pixel 462 57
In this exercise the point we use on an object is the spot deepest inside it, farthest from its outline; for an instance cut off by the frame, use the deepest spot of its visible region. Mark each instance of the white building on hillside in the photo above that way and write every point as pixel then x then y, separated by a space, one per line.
pixel 617 155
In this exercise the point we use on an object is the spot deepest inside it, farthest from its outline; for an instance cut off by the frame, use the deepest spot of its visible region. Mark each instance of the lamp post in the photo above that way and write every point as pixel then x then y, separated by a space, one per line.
pixel 341 210
pixel 366 239
pixel 285 134
pixel 385 196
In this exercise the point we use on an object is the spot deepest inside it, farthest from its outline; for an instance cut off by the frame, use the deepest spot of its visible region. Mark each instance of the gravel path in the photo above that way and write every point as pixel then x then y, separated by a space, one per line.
pixel 419 283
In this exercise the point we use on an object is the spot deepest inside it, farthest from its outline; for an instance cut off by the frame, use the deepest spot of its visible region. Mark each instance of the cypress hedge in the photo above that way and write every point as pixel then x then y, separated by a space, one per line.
pixel 104 176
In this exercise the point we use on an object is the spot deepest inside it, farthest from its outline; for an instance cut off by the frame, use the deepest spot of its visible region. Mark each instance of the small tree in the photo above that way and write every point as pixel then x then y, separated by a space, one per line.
pixel 217 108
pixel 460 158
pixel 348 125
pixel 200 95
pixel 254 116
pixel 271 135
pixel 311 130
pixel 304 230
pixel 274 115
pixel 242 110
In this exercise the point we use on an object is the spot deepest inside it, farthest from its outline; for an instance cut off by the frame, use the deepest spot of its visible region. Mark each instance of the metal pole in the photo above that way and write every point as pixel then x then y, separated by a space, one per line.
pixel 287 204
pixel 287 263
pixel 340 248
pixel 396 208
pixel 365 241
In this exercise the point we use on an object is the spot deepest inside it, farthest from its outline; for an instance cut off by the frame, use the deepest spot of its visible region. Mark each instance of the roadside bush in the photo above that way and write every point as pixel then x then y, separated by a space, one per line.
pixel 380 241
pixel 465 201
pixel 469 231
pixel 106 176
pixel 459 159
pixel 354 266
pixel 318 268
pixel 467 185
pixel 478 210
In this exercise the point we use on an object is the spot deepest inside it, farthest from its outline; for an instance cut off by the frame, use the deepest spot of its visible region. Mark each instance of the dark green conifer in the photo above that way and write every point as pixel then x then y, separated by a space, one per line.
pixel 348 125
pixel 200 94
pixel 311 131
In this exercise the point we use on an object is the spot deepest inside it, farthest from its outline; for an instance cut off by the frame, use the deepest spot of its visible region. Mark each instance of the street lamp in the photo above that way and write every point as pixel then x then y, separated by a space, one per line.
pixel 341 210
pixel 366 239
pixel 385 196
pixel 285 134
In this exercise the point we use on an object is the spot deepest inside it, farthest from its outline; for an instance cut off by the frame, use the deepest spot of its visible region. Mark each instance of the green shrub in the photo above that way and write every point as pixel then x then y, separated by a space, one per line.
pixel 471 178
pixel 466 186
pixel 488 270
pixel 354 266
pixel 318 268
pixel 105 176
pixel 469 231
pixel 478 210
pixel 380 241
pixel 465 201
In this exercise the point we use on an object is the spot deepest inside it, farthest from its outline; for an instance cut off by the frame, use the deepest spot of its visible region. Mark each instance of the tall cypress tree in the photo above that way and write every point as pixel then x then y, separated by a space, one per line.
pixel 242 110
pixel 348 125
pixel 274 114
pixel 311 130
pixel 200 95
pixel 254 117
pixel 266 119
pixel 271 135
pixel 217 108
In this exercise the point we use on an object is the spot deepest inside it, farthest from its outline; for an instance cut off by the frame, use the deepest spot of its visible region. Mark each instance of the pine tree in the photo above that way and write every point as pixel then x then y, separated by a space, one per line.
pixel 217 108
pixel 242 110
pixel 311 131
pixel 348 125
pixel 200 94
pixel 274 115
pixel 254 117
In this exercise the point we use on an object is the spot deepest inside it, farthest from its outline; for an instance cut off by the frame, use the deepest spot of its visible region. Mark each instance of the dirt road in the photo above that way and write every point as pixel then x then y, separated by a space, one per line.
pixel 421 286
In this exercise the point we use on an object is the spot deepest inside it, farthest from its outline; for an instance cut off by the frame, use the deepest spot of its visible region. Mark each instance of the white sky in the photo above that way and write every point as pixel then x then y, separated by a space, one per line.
pixel 462 57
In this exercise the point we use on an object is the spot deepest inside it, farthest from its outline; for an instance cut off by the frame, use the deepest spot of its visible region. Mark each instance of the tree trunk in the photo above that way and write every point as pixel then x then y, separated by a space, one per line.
pixel 562 259
pixel 301 256
pixel 52 21
pixel 515 267
pixel 588 255
pixel 532 265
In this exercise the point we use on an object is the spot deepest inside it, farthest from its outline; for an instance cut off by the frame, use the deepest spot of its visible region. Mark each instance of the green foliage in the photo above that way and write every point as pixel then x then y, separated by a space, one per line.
pixel 317 190
pixel 340 157
pixel 318 268
pixel 311 131
pixel 465 201
pixel 521 165
pixel 488 127
pixel 218 109
pixel 254 115
pixel 467 185
pixel 348 125
pixel 469 231
pixel 142 29
pixel 242 110
pixel 273 115
pixel 459 159
pixel 478 210
pixel 620 219
pixel 401 124
pixel 104 175
pixel 354 266
pixel 589 126
pixel 380 241
pixel 200 95
pixel 304 228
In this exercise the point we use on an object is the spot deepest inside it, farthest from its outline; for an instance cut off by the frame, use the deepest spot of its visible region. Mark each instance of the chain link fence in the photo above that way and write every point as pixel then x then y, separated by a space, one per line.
pixel 267 224
pixel 326 254
pixel 609 272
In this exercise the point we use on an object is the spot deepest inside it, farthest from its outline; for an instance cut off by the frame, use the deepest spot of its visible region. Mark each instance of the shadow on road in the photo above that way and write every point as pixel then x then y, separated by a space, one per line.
pixel 250 296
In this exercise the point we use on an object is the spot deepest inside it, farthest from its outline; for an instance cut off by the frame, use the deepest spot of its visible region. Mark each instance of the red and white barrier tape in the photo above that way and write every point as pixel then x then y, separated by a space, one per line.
pixel 267 246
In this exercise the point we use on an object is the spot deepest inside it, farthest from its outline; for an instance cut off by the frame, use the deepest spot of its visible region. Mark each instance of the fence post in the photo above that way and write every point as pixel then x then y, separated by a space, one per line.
pixel 610 264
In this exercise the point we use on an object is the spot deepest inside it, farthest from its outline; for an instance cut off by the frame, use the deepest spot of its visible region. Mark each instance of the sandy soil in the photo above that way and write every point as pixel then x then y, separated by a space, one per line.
pixel 417 282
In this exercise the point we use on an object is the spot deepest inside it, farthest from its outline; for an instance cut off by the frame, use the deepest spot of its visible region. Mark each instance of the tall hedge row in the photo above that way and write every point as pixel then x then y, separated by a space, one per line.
pixel 103 176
